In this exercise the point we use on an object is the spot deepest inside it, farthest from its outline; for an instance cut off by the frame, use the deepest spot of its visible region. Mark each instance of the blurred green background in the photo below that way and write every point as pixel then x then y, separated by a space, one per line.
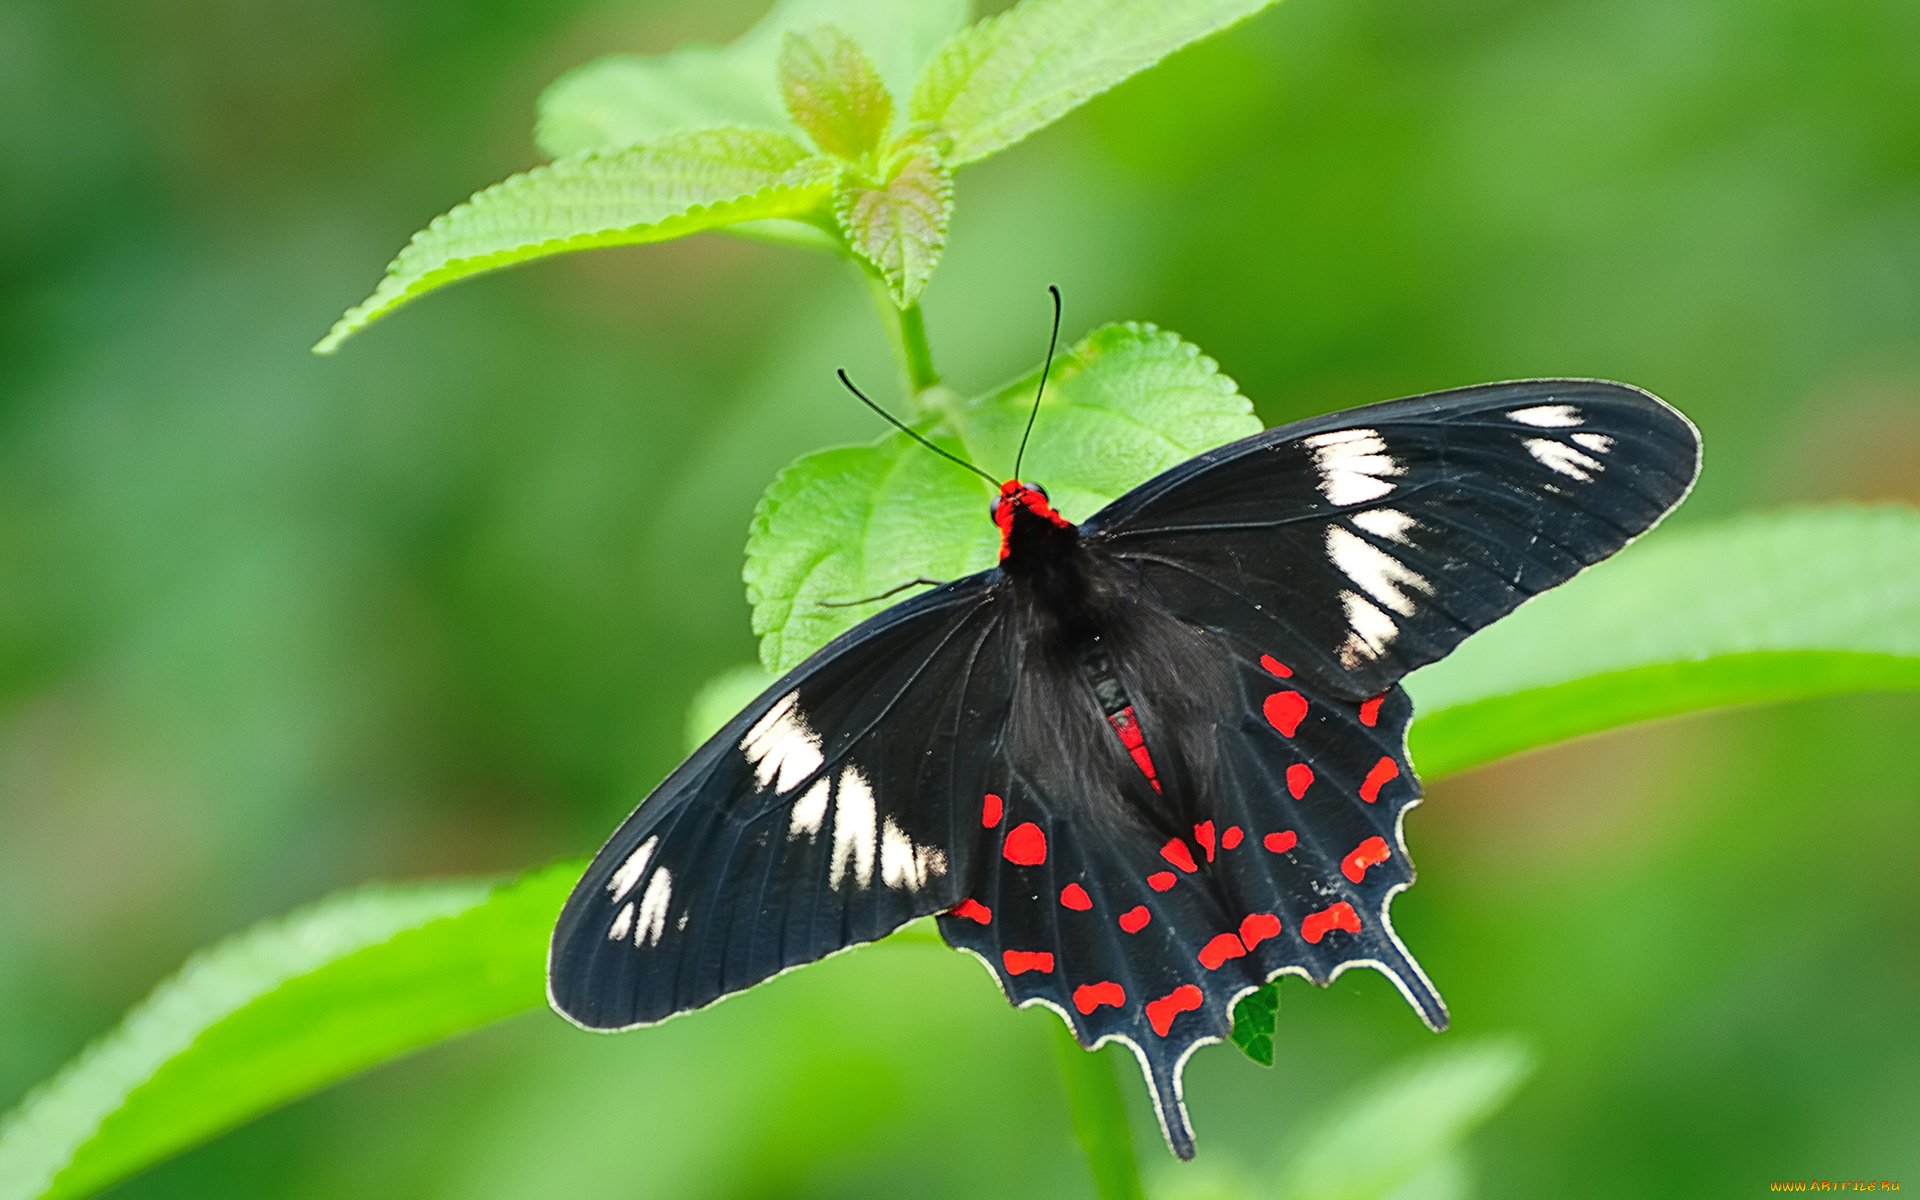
pixel 271 625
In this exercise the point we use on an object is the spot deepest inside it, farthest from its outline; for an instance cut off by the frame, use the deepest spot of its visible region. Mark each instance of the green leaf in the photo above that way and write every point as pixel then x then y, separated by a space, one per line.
pixel 899 227
pixel 1767 607
pixel 1125 404
pixel 283 1009
pixel 627 99
pixel 834 93
pixel 680 185
pixel 1010 75
pixel 1405 1125
pixel 1254 1020
pixel 720 698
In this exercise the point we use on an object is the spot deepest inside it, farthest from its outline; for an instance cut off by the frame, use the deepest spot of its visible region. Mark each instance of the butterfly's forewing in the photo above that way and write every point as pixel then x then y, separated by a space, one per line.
pixel 1370 542
pixel 817 819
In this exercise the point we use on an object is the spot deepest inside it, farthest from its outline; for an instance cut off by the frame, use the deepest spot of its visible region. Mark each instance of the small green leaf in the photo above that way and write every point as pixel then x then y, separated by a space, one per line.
pixel 1125 404
pixel 834 93
pixel 1010 75
pixel 628 99
pixel 680 185
pixel 283 1009
pixel 1254 1020
pixel 1401 1127
pixel 1770 606
pixel 899 227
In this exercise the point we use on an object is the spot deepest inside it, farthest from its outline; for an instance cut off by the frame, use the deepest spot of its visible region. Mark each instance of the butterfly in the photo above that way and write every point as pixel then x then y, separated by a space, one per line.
pixel 1147 763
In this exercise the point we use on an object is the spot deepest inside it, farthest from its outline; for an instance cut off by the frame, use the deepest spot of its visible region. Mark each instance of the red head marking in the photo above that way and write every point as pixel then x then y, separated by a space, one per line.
pixel 1016 497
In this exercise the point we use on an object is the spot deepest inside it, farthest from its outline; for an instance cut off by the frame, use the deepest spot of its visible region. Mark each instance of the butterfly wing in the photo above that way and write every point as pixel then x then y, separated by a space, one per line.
pixel 814 821
pixel 1361 545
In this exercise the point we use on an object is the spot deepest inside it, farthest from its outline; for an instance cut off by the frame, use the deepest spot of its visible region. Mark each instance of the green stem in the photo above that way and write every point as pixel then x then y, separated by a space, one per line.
pixel 907 331
pixel 1099 1118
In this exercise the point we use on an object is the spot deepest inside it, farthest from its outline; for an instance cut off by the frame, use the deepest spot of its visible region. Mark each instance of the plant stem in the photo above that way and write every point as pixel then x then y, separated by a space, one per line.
pixel 907 331
pixel 1099 1118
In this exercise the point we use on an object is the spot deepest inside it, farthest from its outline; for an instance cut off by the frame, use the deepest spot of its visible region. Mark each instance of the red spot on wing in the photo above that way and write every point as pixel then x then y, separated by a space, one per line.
pixel 1161 1012
pixel 990 811
pixel 1285 711
pixel 1382 771
pixel 1315 926
pixel 1176 852
pixel 1220 949
pixel 1299 779
pixel 1025 845
pixel 1280 842
pixel 1276 666
pixel 1366 854
pixel 1203 834
pixel 1370 711
pixel 972 910
pixel 1021 961
pixel 1135 919
pixel 1257 928
pixel 1089 996
pixel 1160 881
pixel 1231 837
pixel 1075 897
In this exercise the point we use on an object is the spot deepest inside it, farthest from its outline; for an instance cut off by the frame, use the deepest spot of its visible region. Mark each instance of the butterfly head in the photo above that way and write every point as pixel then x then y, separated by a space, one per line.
pixel 1020 502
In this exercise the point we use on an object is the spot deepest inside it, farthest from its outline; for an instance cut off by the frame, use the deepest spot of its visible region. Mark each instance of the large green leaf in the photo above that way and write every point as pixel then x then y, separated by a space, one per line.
pixel 679 185
pixel 277 1012
pixel 834 93
pixel 1766 607
pixel 1406 1126
pixel 1125 404
pixel 1010 75
pixel 626 99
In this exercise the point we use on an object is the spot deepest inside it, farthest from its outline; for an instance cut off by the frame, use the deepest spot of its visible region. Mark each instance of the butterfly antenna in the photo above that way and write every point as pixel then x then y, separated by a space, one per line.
pixel 1052 342
pixel 902 427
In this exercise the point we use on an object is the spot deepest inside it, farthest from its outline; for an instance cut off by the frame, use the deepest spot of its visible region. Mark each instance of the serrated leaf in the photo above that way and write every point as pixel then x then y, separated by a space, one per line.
pixel 1769 606
pixel 833 92
pixel 627 99
pixel 899 227
pixel 1010 75
pixel 681 185
pixel 287 1007
pixel 1126 403
pixel 1405 1125
pixel 1254 1020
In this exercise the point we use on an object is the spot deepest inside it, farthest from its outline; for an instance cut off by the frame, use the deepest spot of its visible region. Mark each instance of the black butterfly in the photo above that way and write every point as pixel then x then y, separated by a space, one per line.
pixel 1145 764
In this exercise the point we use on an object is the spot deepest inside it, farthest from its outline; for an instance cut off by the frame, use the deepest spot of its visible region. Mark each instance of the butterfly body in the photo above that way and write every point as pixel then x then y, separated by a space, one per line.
pixel 1146 763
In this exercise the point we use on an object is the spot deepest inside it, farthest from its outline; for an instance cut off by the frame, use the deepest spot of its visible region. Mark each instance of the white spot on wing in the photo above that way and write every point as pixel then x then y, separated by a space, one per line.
pixel 653 909
pixel 1370 632
pixel 903 864
pixel 631 870
pixel 1548 416
pixel 810 811
pixel 782 747
pixel 1599 443
pixel 1354 465
pixel 853 830
pixel 1558 456
pixel 621 923
pixel 1387 523
pixel 1378 573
